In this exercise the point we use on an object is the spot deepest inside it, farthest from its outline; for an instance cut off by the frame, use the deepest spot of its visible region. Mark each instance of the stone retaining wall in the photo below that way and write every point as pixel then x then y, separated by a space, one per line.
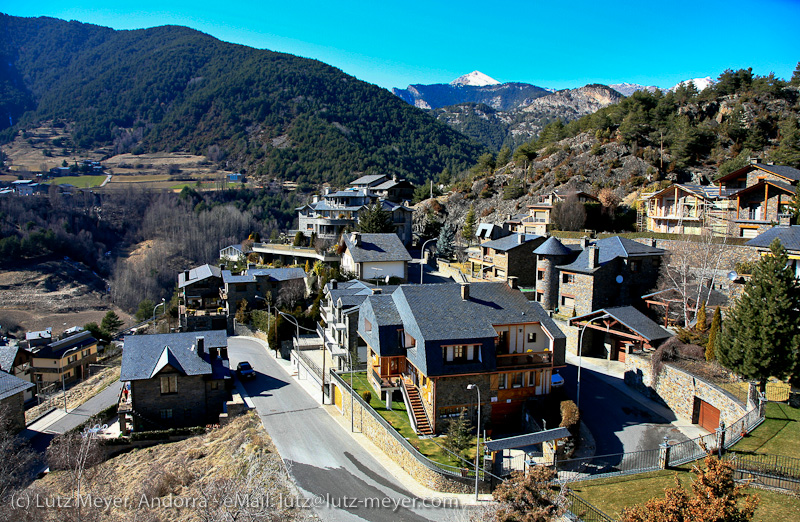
pixel 678 389
pixel 366 423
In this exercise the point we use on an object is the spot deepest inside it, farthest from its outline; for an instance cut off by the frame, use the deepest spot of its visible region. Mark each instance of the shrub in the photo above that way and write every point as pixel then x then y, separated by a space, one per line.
pixel 570 417
pixel 367 396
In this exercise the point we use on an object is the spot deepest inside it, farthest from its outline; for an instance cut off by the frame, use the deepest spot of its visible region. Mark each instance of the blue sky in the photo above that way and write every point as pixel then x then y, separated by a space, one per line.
pixel 551 44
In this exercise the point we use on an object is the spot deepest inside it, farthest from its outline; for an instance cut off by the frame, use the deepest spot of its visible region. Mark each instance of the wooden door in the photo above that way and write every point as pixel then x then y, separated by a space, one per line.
pixel 708 416
pixel 337 397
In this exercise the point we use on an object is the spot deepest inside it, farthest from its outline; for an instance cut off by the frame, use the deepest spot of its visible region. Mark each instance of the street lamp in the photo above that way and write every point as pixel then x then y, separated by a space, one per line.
pixel 478 437
pixel 580 353
pixel 63 386
pixel 162 303
pixel 421 257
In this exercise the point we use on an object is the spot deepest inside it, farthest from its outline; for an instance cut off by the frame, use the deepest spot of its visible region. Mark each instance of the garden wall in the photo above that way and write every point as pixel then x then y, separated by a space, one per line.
pixel 388 440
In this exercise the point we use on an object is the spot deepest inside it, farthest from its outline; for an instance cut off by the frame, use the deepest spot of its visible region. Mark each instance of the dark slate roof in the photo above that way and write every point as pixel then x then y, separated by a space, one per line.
pixel 507 243
pixel 277 274
pixel 439 313
pixel 633 319
pixel 377 248
pixel 198 274
pixel 385 310
pixel 346 288
pixel 713 297
pixel 11 385
pixel 789 237
pixel 143 356
pixel 781 170
pixel 611 248
pixel 56 349
pixel 368 180
pixel 7 356
pixel 529 439
pixel 552 247
pixel 391 206
pixel 758 187
pixel 228 277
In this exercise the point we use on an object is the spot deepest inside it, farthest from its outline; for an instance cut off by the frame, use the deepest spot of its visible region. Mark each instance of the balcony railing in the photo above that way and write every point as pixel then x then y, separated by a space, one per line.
pixel 525 359
pixel 751 214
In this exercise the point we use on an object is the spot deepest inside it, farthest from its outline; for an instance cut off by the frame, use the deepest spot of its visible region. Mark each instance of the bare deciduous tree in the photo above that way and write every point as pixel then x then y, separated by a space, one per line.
pixel 290 293
pixel 568 214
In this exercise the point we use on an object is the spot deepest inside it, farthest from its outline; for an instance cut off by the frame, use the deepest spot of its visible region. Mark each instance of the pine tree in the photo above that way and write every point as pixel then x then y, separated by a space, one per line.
pixel 468 230
pixel 111 322
pixel 458 435
pixel 700 325
pixel 759 337
pixel 375 220
pixel 444 245
pixel 713 333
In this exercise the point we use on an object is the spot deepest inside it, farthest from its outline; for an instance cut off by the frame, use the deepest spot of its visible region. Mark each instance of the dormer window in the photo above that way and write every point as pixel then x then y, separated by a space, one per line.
pixel 169 384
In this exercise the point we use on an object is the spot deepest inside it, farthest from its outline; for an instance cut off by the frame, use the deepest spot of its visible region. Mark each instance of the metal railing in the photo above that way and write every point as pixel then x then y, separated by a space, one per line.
pixel 311 365
pixel 772 471
pixel 582 510
pixel 607 465
pixel 693 449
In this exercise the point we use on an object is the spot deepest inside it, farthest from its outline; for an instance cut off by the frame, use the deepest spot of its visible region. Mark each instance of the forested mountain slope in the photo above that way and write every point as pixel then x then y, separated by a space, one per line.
pixel 174 88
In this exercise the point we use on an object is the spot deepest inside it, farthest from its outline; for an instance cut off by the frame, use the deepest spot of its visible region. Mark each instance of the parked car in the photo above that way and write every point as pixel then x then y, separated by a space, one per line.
pixel 245 371
pixel 557 380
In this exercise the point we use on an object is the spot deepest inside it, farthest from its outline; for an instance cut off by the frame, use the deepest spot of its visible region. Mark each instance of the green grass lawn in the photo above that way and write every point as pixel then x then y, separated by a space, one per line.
pixel 80 181
pixel 612 495
pixel 779 434
pixel 398 418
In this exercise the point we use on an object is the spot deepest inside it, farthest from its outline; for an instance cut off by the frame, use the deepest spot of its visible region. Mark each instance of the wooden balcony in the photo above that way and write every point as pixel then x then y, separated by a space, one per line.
pixel 525 360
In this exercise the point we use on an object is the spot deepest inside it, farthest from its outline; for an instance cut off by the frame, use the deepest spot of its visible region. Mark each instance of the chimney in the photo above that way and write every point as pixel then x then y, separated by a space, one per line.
pixel 185 275
pixel 223 352
pixel 465 291
pixel 594 256
pixel 520 239
pixel 356 239
pixel 334 284
pixel 376 291
pixel 212 352
pixel 653 242
pixel 584 243
pixel 512 282
pixel 200 343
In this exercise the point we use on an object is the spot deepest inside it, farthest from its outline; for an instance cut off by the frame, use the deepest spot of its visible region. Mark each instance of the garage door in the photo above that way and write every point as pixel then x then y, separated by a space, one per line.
pixel 708 416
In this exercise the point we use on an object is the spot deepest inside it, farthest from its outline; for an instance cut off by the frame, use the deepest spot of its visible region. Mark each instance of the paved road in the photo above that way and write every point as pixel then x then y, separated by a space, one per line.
pixel 321 457
pixel 617 421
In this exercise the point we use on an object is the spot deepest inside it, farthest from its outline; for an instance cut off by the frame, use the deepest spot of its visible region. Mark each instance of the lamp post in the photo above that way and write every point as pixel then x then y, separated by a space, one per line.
pixel 63 385
pixel 162 303
pixel 421 257
pixel 580 353
pixel 478 437
pixel 269 313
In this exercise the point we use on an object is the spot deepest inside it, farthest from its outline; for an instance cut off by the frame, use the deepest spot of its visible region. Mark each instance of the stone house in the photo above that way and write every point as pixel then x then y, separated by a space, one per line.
pixel 614 271
pixel 65 360
pixel 426 343
pixel 12 399
pixel 506 258
pixel 201 306
pixel 687 209
pixel 176 380
pixel 17 362
pixel 538 219
pixel 760 195
pixel 374 256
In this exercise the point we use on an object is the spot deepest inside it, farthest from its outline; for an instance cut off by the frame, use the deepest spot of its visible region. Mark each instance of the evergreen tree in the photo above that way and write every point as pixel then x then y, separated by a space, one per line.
pixel 504 156
pixel 700 325
pixel 458 435
pixel 299 238
pixel 759 337
pixel 713 333
pixel 794 206
pixel 111 322
pixel 375 220
pixel 468 230
pixel 145 310
pixel 444 245
pixel 795 76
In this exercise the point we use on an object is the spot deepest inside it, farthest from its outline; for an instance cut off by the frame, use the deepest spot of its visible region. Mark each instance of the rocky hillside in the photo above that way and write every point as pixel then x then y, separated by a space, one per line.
pixel 502 97
pixel 496 128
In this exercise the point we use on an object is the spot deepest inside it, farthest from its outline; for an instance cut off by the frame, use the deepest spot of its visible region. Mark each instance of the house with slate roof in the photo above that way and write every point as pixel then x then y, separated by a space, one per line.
pixel 16 361
pixel 176 380
pixel 66 359
pixel 328 215
pixel 789 237
pixel 509 258
pixel 339 312
pixel 427 342
pixel 201 306
pixel 537 220
pixel 375 256
pixel 613 333
pixel 12 399
pixel 254 282
pixel 614 271
pixel 760 195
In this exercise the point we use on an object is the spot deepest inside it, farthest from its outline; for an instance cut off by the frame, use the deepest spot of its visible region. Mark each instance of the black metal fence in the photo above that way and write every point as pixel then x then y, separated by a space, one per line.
pixel 607 465
pixel 582 510
pixel 770 471
pixel 693 449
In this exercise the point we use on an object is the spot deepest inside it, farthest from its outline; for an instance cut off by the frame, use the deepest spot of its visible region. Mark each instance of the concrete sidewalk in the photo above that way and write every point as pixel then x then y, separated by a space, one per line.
pixel 313 389
pixel 613 374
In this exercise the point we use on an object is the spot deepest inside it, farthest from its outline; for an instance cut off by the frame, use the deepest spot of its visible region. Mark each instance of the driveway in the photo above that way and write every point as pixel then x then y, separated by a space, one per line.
pixel 323 460
pixel 618 422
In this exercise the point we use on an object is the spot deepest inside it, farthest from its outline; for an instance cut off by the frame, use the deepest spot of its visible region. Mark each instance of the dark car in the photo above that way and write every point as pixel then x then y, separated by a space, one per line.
pixel 245 371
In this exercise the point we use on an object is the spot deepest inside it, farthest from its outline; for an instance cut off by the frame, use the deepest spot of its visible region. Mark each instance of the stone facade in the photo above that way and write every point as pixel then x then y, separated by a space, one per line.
pixel 197 402
pixel 366 421
pixel 452 396
pixel 547 281
pixel 678 390
pixel 15 410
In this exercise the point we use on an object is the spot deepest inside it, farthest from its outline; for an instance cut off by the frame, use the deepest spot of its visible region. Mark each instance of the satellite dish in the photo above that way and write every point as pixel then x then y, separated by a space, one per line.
pixel 619 279
pixel 387 279
pixel 732 275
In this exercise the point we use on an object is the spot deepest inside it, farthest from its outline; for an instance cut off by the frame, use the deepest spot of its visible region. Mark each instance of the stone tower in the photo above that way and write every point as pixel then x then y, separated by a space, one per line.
pixel 549 254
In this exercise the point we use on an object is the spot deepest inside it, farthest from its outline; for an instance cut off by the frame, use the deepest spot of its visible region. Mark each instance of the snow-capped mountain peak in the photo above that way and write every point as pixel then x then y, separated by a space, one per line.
pixel 475 79
pixel 627 89
pixel 699 83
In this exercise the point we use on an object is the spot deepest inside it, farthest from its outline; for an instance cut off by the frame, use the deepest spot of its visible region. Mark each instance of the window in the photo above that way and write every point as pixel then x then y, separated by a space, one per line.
pixel 567 278
pixel 166 414
pixel 531 337
pixel 367 325
pixel 516 380
pixel 539 297
pixel 409 342
pixel 72 358
pixel 85 353
pixel 503 381
pixel 540 275
pixel 567 301
pixel 635 266
pixel 214 385
pixel 169 384
pixel 458 352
